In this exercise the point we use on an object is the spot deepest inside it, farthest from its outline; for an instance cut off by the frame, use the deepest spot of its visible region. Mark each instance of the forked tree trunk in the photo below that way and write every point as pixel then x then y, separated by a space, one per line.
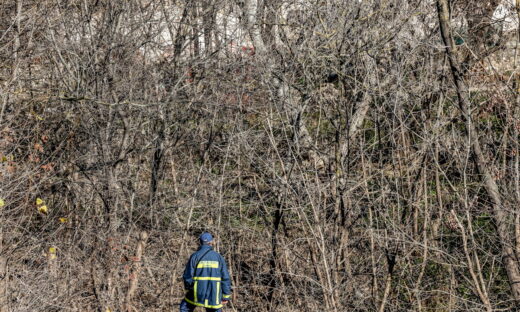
pixel 499 213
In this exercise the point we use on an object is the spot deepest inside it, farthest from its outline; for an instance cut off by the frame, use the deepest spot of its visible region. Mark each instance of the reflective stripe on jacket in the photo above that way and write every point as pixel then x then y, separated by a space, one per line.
pixel 206 279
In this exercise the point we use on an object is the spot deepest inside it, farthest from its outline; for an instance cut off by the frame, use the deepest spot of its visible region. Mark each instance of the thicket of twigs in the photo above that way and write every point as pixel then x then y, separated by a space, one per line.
pixel 348 155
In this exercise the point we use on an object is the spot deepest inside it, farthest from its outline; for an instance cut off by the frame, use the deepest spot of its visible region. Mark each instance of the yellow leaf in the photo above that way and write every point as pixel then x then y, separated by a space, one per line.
pixel 4 158
pixel 43 209
pixel 39 201
pixel 2 203
pixel 63 220
pixel 52 253
pixel 108 310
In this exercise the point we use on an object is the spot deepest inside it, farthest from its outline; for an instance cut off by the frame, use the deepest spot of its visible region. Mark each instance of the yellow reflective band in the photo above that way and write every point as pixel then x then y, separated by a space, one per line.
pixel 203 305
pixel 206 302
pixel 203 278
pixel 227 296
pixel 208 264
pixel 217 301
pixel 195 291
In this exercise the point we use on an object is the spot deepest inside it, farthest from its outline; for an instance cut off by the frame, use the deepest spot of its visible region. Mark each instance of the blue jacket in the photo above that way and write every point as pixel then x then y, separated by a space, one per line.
pixel 206 279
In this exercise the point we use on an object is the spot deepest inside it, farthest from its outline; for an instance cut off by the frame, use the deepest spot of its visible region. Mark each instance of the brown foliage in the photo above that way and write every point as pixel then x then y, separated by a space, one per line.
pixel 322 143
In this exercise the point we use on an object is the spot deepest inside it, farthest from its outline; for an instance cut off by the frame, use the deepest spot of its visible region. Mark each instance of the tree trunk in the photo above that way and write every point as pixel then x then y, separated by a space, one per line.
pixel 3 277
pixel 500 214
pixel 250 12
pixel 135 270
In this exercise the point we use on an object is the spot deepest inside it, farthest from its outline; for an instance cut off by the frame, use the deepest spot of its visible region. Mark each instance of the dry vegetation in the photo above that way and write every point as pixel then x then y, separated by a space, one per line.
pixel 349 155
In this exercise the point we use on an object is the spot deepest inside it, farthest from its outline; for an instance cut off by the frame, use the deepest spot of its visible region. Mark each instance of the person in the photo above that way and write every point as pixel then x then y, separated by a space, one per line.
pixel 206 279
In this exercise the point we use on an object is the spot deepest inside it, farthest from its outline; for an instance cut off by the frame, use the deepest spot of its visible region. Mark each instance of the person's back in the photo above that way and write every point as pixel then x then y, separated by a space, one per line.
pixel 206 279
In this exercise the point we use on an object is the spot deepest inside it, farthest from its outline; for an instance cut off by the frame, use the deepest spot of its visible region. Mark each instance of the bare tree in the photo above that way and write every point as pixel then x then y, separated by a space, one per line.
pixel 357 156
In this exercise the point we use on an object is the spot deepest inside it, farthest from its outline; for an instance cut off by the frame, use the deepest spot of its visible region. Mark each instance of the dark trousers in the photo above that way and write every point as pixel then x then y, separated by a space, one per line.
pixel 188 307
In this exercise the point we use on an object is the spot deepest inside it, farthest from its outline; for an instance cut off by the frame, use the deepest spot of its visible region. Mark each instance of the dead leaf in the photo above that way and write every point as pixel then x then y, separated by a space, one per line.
pixel 38 147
